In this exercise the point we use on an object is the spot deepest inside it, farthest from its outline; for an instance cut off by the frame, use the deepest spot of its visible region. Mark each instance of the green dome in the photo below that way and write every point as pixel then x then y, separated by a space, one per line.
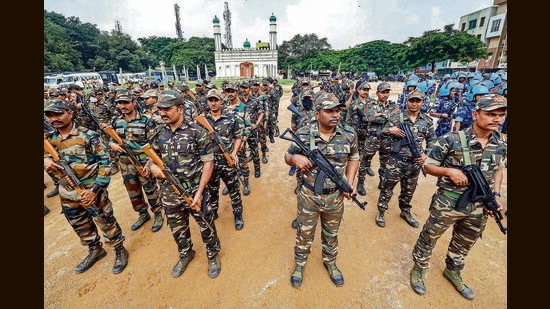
pixel 272 18
pixel 216 20
pixel 246 44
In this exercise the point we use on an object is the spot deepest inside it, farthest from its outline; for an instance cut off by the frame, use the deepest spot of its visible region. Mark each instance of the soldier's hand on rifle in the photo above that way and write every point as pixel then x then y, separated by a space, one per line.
pixel 353 193
pixel 157 172
pixel 420 161
pixel 49 164
pixel 196 205
pixel 88 197
pixel 457 177
pixel 396 131
pixel 117 147
pixel 302 162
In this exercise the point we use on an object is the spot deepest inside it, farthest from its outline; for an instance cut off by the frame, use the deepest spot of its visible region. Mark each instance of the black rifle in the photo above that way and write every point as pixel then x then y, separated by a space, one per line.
pixel 128 151
pixel 91 116
pixel 326 169
pixel 361 117
pixel 410 142
pixel 479 190
pixel 450 109
pixel 48 127
pixel 71 180
pixel 295 110
pixel 174 181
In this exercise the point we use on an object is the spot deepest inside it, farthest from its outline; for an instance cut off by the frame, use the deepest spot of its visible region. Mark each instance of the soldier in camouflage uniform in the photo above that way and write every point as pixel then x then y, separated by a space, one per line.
pixel 135 129
pixel 186 149
pixel 240 109
pixel 377 113
pixel 84 151
pixel 361 127
pixel 229 127
pixel 296 100
pixel 402 167
pixel 200 96
pixel 272 107
pixel 255 110
pixel 278 94
pixel 339 144
pixel 486 148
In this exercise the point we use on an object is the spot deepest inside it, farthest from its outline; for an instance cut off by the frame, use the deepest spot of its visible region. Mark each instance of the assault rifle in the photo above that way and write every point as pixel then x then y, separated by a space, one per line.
pixel 361 116
pixel 90 115
pixel 326 169
pixel 295 110
pixel 70 178
pixel 139 166
pixel 479 190
pixel 410 142
pixel 174 181
pixel 201 119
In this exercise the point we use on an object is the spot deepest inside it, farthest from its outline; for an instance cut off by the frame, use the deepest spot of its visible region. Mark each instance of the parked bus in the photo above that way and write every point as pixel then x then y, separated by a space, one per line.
pixel 52 81
pixel 82 79
pixel 109 77
pixel 157 75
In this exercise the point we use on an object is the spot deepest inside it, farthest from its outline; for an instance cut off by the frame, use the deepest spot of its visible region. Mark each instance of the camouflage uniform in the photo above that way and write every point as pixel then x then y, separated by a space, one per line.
pixel 253 109
pixel 183 152
pixel 136 133
pixel 400 167
pixel 229 128
pixel 103 112
pixel 241 111
pixel 84 151
pixel 201 100
pixel 328 206
pixel 467 225
pixel 361 127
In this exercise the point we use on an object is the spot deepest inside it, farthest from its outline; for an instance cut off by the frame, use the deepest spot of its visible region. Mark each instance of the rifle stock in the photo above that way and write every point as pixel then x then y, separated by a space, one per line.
pixel 174 181
pixel 410 142
pixel 139 166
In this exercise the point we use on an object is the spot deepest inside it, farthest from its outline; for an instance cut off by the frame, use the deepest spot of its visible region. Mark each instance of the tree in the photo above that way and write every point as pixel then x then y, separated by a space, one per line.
pixel 300 48
pixel 436 45
pixel 59 53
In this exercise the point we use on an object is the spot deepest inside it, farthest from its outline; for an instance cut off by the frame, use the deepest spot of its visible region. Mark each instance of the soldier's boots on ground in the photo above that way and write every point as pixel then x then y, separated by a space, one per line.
pixel 181 265
pixel 370 172
pixel 157 223
pixel 454 277
pixel 335 274
pixel 121 259
pixel 143 217
pixel 295 224
pixel 257 172
pixel 361 187
pixel 297 276
pixel 380 183
pixel 225 191
pixel 214 266
pixel 271 139
pixel 380 219
pixel 246 190
pixel 298 188
pixel 239 223
pixel 95 253
pixel 54 192
pixel 292 171
pixel 264 158
pixel 214 214
pixel 407 216
pixel 418 275
pixel 46 210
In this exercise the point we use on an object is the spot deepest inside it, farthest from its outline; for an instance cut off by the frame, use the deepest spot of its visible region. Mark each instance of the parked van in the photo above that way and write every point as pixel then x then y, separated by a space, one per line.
pixel 52 81
pixel 83 79
pixel 109 77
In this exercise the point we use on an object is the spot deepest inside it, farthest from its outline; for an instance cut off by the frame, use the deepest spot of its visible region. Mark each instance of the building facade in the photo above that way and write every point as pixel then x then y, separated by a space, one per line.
pixel 246 62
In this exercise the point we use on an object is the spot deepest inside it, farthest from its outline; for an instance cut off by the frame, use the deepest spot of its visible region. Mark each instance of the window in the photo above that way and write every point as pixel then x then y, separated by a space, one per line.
pixel 482 21
pixel 479 36
pixel 495 26
pixel 463 27
pixel 472 24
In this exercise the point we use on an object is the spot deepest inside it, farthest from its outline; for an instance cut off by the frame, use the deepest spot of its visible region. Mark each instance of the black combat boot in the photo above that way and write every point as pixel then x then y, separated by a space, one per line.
pixel 361 187
pixel 143 217
pixel 96 253
pixel 295 224
pixel 159 220
pixel 46 210
pixel 370 172
pixel 121 259
pixel 239 224
pixel 257 172
pixel 407 216
pixel 54 192
pixel 181 265
pixel 297 276
pixel 225 191
pixel 271 139
pixel 264 158
pixel 246 190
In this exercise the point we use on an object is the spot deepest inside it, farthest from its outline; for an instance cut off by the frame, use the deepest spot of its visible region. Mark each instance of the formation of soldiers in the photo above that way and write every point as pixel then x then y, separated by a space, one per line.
pixel 243 117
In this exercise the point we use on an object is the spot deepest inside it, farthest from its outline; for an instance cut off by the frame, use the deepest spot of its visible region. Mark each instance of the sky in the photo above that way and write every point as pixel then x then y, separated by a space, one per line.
pixel 345 23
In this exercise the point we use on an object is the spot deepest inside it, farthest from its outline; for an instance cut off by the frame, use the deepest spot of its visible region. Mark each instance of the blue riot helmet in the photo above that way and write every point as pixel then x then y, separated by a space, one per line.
pixel 453 76
pixel 411 83
pixel 474 82
pixel 478 89
pixel 446 76
pixel 431 75
pixel 504 77
pixel 478 76
pixel 461 75
pixel 423 86
pixel 445 89
pixel 457 85
pixel 502 88
pixel 413 77
pixel 471 75
pixel 495 78
pixel 487 83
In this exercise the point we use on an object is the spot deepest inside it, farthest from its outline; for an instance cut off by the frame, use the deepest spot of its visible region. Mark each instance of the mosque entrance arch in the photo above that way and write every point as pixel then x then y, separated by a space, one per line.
pixel 247 69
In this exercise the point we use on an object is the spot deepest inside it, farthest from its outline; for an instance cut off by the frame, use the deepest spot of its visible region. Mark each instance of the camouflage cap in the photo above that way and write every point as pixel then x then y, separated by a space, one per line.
pixel 214 93
pixel 57 93
pixel 57 106
pixel 124 95
pixel 383 86
pixel 199 82
pixel 491 102
pixel 183 86
pixel 231 86
pixel 304 81
pixel 364 85
pixel 254 82
pixel 308 93
pixel 326 100
pixel 418 94
pixel 149 93
pixel 168 98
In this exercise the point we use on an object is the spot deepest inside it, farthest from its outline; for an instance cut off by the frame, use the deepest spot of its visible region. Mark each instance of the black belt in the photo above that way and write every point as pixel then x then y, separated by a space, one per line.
pixel 324 192
pixel 401 158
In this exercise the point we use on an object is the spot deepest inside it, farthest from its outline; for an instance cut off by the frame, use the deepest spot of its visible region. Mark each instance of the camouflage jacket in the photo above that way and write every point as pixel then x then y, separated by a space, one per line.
pixel 241 111
pixel 447 151
pixel 229 127
pixel 135 133
pixel 377 123
pixel 422 129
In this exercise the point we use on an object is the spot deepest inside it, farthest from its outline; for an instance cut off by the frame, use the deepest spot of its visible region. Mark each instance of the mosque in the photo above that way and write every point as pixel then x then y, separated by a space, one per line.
pixel 246 62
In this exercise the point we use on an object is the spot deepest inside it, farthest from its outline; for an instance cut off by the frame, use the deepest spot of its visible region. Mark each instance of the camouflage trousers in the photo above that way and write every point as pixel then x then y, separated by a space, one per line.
pixel 361 143
pixel 330 209
pixel 397 171
pixel 252 142
pixel 85 220
pixel 134 183
pixel 229 176
pixel 467 228
pixel 177 213
pixel 262 138
pixel 372 145
pixel 272 120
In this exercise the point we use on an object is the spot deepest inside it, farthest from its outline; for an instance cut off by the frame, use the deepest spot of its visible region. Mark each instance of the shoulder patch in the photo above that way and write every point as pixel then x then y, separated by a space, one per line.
pixel 95 140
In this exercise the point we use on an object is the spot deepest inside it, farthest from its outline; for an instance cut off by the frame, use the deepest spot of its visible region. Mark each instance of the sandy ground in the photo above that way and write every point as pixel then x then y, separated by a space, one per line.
pixel 257 261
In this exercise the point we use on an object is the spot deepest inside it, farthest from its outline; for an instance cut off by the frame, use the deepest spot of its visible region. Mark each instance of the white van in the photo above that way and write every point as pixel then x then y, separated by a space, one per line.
pixel 86 80
pixel 52 81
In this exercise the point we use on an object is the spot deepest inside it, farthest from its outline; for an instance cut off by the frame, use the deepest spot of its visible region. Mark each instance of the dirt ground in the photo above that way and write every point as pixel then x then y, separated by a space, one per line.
pixel 257 261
